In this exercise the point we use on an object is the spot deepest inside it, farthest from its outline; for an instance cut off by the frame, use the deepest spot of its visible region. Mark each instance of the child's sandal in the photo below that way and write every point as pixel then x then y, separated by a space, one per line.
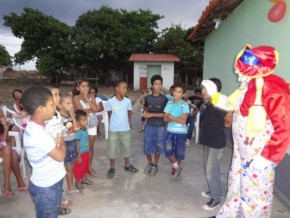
pixel 79 187
pixel 8 194
pixel 23 190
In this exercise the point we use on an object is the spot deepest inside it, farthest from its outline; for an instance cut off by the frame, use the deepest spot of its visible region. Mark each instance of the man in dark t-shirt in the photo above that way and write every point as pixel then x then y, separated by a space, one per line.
pixel 155 129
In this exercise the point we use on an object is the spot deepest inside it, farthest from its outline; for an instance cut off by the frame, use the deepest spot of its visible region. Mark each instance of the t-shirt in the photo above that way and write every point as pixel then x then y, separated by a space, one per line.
pixel 38 143
pixel 68 130
pixel 169 97
pixel 83 136
pixel 155 104
pixel 176 110
pixel 54 125
pixel 119 117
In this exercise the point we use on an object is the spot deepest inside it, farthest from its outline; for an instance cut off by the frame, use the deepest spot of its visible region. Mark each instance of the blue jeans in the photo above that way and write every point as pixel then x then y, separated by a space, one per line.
pixel 212 161
pixel 154 139
pixel 47 200
pixel 175 145
pixel 190 122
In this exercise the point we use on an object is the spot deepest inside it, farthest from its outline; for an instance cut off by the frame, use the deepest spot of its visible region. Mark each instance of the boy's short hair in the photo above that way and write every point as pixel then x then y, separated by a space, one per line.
pixel 52 86
pixel 96 89
pixel 218 83
pixel 79 114
pixel 156 77
pixel 34 97
pixel 64 96
pixel 171 87
pixel 16 90
pixel 117 83
pixel 180 85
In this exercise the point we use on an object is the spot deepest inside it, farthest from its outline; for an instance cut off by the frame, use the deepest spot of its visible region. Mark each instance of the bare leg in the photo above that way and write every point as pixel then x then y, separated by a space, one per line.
pixel 127 162
pixel 5 153
pixel 69 176
pixel 112 163
pixel 16 170
pixel 149 158
pixel 156 160
pixel 91 153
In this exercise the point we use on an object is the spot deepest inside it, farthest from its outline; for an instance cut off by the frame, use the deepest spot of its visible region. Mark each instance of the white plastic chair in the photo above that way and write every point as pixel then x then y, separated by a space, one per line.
pixel 18 148
pixel 105 119
pixel 196 124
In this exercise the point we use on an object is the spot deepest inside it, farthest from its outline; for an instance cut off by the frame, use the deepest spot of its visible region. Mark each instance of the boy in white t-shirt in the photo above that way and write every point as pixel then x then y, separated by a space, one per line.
pixel 45 154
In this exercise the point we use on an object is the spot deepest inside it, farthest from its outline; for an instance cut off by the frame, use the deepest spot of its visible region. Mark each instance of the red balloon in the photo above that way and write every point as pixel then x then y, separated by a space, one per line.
pixel 277 12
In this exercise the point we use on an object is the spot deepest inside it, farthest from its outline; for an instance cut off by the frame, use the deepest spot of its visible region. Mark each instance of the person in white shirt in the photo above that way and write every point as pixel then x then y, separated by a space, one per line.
pixel 45 154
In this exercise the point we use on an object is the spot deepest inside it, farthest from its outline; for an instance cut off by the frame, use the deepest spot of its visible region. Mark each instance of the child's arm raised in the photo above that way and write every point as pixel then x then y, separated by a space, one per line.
pixel 59 152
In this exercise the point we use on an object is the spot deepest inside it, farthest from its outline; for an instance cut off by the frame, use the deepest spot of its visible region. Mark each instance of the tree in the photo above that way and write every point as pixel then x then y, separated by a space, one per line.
pixel 5 58
pixel 173 40
pixel 44 37
pixel 105 38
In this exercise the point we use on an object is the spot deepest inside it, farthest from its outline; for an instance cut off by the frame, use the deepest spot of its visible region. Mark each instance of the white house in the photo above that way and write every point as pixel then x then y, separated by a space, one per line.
pixel 147 65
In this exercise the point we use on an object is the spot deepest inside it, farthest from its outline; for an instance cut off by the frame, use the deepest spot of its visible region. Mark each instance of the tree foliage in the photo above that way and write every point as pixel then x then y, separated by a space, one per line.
pixel 5 58
pixel 173 40
pixel 44 38
pixel 100 40
pixel 105 38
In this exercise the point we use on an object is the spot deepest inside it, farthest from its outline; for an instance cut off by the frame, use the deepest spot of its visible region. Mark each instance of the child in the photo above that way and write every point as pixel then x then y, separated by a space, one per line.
pixel 84 101
pixel 44 153
pixel 155 130
pixel 119 110
pixel 213 138
pixel 68 133
pixel 94 92
pixel 10 159
pixel 81 166
pixel 176 113
pixel 54 128
pixel 195 102
pixel 142 102
pixel 170 95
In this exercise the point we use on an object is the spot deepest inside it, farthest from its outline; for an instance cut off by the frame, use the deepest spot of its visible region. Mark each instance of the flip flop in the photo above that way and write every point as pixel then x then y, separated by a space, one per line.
pixel 8 194
pixel 74 192
pixel 64 211
pixel 66 203
pixel 22 190
pixel 87 182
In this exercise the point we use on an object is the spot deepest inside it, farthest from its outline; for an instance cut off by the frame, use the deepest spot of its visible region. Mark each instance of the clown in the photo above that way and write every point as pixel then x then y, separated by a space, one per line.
pixel 261 125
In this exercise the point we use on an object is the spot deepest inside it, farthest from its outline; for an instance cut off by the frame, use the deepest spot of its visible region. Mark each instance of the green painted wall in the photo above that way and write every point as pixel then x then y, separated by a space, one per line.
pixel 247 24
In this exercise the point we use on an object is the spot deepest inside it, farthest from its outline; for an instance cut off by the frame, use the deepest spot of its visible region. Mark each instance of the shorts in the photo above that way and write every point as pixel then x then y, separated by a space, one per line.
pixel 92 131
pixel 175 145
pixel 80 170
pixel 71 152
pixel 119 142
pixel 154 139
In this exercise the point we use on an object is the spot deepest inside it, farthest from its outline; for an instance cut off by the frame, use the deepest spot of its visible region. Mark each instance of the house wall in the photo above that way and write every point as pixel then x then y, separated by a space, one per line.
pixel 167 73
pixel 247 24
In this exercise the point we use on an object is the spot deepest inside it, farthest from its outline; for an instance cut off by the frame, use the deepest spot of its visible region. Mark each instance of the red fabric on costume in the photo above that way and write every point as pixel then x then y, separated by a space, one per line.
pixel 81 169
pixel 276 100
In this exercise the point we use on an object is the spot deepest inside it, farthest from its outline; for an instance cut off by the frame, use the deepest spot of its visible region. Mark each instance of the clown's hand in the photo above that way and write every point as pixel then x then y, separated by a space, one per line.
pixel 260 163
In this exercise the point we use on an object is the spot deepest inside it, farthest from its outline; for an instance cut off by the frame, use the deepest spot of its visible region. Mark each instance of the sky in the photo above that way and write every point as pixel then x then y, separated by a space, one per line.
pixel 184 12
